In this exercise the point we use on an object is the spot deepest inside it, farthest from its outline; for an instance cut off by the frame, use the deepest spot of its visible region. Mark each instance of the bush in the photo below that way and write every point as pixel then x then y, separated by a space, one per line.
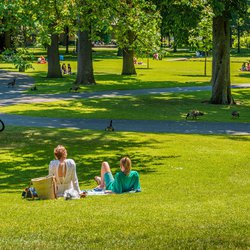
pixel 21 58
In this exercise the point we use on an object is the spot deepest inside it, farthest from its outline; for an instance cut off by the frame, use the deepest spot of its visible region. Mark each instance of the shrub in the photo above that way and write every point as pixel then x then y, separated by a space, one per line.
pixel 21 58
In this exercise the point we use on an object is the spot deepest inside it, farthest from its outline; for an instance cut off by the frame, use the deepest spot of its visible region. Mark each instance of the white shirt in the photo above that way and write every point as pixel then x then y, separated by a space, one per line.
pixel 69 181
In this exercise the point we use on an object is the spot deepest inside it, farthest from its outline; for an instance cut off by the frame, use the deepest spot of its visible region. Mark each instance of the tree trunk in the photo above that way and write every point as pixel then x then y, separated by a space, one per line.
pixel 128 67
pixel 221 85
pixel 54 69
pixel 238 37
pixel 2 42
pixel 85 72
pixel 7 40
pixel 66 38
pixel 205 64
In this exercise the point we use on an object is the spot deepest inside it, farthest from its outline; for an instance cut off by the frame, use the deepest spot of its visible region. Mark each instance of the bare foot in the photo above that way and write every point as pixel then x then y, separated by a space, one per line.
pixel 98 179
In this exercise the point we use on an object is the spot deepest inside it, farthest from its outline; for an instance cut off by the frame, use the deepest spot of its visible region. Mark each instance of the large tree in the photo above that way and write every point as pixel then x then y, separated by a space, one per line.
pixel 9 23
pixel 221 82
pixel 50 18
pixel 178 18
pixel 90 18
pixel 136 25
pixel 200 38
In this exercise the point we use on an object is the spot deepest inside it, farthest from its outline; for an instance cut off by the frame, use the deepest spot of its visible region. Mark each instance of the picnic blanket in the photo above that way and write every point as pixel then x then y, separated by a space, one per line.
pixel 105 192
pixel 97 192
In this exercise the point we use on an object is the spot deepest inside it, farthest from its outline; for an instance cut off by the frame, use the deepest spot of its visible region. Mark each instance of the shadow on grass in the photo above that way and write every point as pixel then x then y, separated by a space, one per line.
pixel 246 74
pixel 26 153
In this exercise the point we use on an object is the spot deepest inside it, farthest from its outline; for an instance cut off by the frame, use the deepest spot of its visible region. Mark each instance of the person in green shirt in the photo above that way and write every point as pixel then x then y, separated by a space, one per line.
pixel 124 181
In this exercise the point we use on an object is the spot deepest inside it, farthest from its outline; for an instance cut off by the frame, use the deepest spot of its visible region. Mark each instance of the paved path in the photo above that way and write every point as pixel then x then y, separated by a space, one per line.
pixel 10 96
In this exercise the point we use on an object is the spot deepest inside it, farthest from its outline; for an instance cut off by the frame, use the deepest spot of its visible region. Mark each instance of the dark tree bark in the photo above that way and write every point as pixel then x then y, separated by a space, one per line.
pixel 66 39
pixel 128 67
pixel 2 42
pixel 54 69
pixel 221 84
pixel 238 37
pixel 85 72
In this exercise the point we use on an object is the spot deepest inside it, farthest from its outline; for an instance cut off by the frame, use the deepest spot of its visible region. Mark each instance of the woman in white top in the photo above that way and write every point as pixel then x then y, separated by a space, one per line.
pixel 64 171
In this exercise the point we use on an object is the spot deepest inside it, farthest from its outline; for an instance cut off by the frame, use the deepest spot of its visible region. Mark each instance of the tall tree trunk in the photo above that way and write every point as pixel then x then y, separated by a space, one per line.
pixel 128 67
pixel 66 38
pixel 221 84
pixel 7 40
pixel 85 72
pixel 2 42
pixel 54 69
pixel 205 64
pixel 238 37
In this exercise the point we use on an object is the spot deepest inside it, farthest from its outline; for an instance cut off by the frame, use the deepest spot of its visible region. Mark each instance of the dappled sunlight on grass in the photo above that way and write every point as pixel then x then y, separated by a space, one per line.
pixel 195 187
pixel 167 106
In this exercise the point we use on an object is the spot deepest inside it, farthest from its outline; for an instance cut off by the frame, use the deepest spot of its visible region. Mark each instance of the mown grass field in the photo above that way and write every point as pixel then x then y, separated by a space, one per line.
pixel 177 69
pixel 195 188
pixel 169 106
pixel 195 192
pixel 170 72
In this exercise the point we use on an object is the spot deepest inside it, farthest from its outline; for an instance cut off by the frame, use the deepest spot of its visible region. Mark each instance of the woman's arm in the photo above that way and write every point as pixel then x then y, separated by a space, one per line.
pixel 74 178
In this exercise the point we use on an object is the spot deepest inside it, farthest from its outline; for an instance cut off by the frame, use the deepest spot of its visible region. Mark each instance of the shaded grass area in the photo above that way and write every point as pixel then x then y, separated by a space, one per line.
pixel 195 192
pixel 168 106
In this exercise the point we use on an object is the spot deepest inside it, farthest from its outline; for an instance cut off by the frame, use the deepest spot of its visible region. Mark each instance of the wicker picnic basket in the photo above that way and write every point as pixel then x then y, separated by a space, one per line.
pixel 45 187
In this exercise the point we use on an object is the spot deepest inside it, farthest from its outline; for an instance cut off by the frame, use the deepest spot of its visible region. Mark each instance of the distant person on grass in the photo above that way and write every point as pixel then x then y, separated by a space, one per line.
pixel 125 181
pixel 64 171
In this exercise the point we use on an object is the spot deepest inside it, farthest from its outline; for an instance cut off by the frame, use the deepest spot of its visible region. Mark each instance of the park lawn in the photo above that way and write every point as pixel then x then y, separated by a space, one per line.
pixel 161 74
pixel 173 71
pixel 195 192
pixel 168 106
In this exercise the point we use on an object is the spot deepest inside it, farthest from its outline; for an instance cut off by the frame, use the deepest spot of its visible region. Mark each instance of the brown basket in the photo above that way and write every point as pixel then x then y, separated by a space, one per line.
pixel 45 187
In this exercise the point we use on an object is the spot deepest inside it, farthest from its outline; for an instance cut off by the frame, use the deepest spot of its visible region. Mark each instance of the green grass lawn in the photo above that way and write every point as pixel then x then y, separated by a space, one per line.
pixel 195 187
pixel 169 72
pixel 195 192
pixel 169 106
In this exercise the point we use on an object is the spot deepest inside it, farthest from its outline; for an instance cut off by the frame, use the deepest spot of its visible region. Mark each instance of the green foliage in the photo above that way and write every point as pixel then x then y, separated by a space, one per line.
pixel 21 58
pixel 200 37
pixel 137 25
pixel 229 7
pixel 178 18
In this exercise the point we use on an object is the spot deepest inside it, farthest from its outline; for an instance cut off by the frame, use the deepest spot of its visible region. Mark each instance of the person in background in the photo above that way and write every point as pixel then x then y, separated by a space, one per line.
pixel 64 69
pixel 69 69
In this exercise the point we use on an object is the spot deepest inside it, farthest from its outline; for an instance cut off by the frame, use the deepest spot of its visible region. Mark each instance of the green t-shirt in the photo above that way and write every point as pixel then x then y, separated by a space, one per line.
pixel 125 183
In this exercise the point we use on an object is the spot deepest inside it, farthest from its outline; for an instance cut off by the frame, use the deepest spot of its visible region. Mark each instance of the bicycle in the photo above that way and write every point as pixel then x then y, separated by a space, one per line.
pixel 2 126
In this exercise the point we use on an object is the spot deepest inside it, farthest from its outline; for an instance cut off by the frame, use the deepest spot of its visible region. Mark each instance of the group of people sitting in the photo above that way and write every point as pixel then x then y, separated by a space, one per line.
pixel 245 67
pixel 66 70
pixel 41 60
pixel 64 171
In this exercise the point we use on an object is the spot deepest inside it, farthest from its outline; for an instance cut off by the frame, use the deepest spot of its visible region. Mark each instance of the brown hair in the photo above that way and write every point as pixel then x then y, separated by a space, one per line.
pixel 126 163
pixel 60 152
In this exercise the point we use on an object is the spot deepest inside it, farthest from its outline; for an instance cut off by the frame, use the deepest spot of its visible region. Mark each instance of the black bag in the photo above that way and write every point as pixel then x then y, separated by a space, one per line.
pixel 30 193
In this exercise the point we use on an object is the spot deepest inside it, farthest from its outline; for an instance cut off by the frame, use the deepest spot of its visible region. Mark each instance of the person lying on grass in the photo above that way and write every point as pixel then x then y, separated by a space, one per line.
pixel 64 171
pixel 125 181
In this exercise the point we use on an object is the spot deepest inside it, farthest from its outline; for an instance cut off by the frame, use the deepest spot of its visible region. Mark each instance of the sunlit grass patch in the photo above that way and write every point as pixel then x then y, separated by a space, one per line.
pixel 167 106
pixel 195 191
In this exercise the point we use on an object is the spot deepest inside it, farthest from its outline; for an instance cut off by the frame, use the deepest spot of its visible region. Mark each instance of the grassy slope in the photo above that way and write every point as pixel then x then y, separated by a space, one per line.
pixel 195 187
pixel 194 196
